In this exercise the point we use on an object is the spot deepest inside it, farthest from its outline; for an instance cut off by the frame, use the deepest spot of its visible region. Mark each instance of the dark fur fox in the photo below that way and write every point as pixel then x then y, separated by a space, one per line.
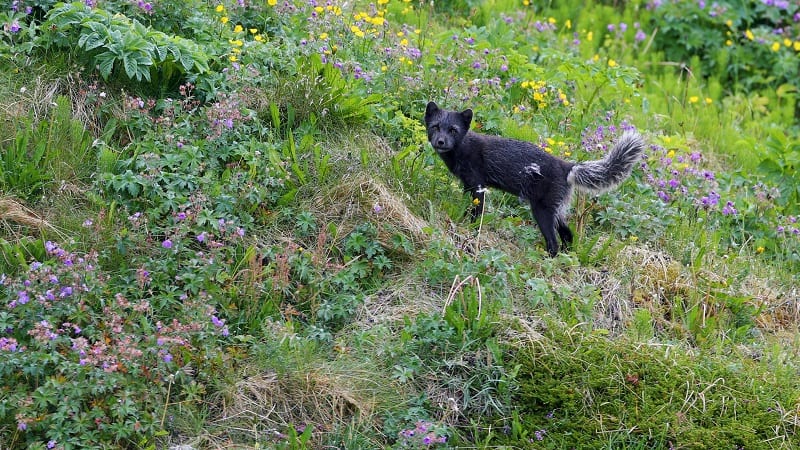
pixel 525 170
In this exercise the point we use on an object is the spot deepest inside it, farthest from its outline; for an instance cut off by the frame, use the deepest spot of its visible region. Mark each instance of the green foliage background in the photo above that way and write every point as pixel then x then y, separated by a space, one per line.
pixel 221 226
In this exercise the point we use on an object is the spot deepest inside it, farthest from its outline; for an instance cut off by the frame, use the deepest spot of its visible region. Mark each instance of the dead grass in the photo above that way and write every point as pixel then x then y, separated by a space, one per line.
pixel 361 199
pixel 327 394
pixel 14 212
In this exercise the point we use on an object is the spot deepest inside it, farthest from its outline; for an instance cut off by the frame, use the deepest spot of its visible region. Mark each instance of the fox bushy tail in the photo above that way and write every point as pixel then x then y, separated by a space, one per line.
pixel 604 175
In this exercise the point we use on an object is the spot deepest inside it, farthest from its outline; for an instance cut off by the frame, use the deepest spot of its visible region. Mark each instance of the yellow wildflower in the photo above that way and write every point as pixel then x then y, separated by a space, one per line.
pixel 760 250
pixel 729 42
pixel 219 8
pixel 272 2
pixel 476 201
pixel 671 154
pixel 224 19
pixel 797 46
pixel 612 63
pixel 404 42
pixel 238 29
pixel 589 36
pixel 323 36
pixel 694 99
pixel 378 21
pixel 357 31
pixel 259 38
pixel 787 42
pixel 749 35
pixel 233 58
pixel 709 101
pixel 568 24
pixel 253 30
pixel 775 46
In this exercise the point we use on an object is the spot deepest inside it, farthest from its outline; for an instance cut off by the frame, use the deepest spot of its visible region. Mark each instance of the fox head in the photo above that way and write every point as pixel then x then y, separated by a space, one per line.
pixel 446 129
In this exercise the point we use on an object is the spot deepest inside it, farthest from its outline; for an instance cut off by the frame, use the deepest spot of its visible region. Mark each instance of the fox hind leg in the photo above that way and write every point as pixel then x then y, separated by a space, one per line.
pixel 564 232
pixel 546 218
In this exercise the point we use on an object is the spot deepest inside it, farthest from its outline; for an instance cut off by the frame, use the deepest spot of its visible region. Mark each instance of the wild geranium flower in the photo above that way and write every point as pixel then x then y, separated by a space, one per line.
pixel 729 209
pixel 167 243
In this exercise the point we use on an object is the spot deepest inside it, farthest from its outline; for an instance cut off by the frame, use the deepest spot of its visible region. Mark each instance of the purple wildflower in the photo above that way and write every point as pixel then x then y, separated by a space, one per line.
pixel 729 209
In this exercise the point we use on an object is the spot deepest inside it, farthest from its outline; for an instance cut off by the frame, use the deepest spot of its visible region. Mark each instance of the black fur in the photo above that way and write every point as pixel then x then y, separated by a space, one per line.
pixel 524 169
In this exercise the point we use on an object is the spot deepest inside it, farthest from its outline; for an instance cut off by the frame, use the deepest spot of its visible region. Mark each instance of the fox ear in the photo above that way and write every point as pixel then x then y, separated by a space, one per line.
pixel 467 116
pixel 431 109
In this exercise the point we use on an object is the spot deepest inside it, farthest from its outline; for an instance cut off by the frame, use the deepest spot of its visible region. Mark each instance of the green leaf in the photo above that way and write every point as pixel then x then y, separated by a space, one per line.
pixel 105 63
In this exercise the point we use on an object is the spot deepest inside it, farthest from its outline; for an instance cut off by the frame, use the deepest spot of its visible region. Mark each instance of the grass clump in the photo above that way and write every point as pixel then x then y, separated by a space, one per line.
pixel 585 390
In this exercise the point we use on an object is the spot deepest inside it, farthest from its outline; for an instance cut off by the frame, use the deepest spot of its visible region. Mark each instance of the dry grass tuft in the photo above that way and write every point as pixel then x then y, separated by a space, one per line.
pixel 13 211
pixel 390 306
pixel 316 397
pixel 359 198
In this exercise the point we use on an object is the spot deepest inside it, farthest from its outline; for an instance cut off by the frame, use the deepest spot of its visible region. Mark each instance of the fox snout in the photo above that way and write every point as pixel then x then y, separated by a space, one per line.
pixel 440 141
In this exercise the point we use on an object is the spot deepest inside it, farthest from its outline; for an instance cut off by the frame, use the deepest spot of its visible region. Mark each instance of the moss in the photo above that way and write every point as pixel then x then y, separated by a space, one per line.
pixel 595 392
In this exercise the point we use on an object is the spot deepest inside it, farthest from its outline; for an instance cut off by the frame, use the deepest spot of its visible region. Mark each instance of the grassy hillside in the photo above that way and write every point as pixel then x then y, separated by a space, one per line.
pixel 222 227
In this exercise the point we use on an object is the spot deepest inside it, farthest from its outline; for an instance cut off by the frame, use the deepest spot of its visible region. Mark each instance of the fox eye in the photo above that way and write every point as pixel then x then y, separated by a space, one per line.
pixel 435 127
pixel 453 130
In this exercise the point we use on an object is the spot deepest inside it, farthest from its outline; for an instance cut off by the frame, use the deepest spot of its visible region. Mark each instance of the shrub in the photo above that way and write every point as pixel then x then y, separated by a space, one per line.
pixel 118 45
pixel 88 360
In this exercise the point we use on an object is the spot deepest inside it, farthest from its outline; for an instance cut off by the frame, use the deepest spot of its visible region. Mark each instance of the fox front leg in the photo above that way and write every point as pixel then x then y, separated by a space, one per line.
pixel 478 198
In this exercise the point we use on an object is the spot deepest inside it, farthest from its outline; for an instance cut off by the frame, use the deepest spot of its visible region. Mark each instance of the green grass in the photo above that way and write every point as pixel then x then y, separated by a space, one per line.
pixel 291 262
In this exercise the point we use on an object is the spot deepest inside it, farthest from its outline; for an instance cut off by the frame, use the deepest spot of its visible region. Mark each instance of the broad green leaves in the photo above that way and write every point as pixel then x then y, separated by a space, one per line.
pixel 117 44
